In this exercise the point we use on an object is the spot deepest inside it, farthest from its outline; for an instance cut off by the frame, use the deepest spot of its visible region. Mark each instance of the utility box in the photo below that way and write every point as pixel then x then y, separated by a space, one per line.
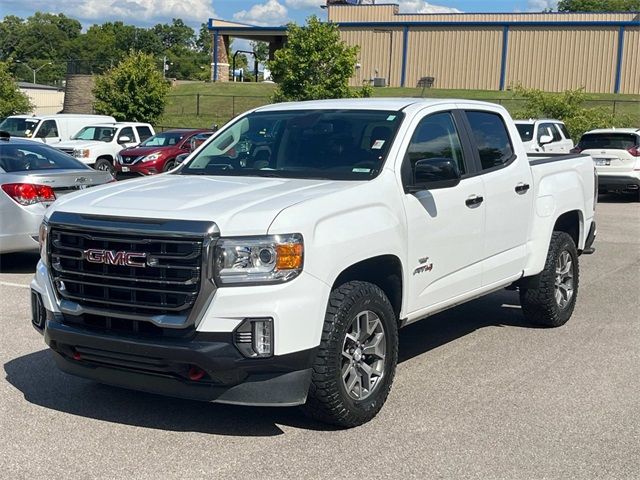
pixel 379 82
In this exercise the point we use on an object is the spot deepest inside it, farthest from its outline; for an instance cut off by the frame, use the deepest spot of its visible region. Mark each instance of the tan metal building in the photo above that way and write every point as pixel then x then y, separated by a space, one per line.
pixel 482 51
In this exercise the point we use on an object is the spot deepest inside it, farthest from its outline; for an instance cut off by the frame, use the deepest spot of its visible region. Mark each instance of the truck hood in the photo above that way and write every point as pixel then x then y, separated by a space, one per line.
pixel 80 144
pixel 238 205
pixel 139 151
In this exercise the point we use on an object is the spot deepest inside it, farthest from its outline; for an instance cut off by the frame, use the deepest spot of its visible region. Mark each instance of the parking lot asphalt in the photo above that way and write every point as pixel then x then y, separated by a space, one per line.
pixel 478 394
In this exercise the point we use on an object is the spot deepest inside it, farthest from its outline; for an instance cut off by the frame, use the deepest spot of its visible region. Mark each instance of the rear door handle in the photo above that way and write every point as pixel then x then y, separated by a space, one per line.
pixel 522 188
pixel 474 200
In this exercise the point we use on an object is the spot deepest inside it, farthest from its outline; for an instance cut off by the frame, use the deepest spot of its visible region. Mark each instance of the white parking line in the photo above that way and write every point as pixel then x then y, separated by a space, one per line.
pixel 9 284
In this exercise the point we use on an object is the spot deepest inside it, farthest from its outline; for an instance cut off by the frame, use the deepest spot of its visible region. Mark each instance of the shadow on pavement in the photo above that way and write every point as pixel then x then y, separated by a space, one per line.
pixel 41 383
pixel 19 262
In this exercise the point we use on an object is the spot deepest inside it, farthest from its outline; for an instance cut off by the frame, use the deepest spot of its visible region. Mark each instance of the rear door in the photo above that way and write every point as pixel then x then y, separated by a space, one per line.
pixel 445 226
pixel 611 151
pixel 508 195
pixel 566 142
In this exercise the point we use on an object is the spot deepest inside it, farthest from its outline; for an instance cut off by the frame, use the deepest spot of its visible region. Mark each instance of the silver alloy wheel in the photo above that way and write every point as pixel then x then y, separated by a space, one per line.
pixel 564 279
pixel 363 354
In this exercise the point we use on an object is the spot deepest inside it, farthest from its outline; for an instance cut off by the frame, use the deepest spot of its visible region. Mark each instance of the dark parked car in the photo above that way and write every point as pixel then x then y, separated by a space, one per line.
pixel 156 154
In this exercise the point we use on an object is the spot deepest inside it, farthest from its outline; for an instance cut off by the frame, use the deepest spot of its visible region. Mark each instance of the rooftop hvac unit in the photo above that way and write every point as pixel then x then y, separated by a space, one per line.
pixel 379 82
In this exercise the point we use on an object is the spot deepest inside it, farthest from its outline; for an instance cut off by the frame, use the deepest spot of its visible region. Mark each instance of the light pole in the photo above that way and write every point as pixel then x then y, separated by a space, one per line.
pixel 34 70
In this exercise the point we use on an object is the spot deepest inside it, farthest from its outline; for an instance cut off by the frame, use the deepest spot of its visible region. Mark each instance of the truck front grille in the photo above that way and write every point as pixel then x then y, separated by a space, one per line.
pixel 166 287
pixel 68 151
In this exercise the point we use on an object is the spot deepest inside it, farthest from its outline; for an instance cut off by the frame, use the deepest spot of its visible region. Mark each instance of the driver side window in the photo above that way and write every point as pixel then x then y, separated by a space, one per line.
pixel 436 137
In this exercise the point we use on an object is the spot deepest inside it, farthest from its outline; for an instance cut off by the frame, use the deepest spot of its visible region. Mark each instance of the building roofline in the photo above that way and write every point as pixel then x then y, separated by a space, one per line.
pixel 400 24
pixel 394 4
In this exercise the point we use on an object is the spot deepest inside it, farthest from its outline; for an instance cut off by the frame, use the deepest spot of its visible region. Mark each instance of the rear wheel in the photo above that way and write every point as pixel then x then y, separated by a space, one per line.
pixel 104 165
pixel 356 361
pixel 552 302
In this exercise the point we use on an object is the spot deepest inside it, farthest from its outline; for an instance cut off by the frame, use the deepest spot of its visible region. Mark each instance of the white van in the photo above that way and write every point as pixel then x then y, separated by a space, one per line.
pixel 50 128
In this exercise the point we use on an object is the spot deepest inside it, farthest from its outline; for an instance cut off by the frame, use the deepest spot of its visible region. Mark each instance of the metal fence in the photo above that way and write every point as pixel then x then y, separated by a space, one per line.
pixel 204 109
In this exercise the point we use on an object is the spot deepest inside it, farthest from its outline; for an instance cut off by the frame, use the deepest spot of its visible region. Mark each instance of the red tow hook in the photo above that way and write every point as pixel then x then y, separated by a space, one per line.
pixel 196 373
pixel 77 356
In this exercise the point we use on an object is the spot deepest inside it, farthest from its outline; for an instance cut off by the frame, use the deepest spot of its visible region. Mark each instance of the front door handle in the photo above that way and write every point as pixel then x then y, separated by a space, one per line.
pixel 474 200
pixel 522 188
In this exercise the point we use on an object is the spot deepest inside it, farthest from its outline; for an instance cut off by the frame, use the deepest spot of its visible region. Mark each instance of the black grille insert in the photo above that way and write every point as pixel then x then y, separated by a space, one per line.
pixel 168 285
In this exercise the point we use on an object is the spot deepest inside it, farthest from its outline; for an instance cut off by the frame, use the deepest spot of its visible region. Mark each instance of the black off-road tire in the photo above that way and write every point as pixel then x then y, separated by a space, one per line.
pixel 539 305
pixel 328 400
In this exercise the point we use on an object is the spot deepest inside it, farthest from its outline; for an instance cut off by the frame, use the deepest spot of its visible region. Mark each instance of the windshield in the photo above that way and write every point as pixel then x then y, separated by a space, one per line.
pixel 526 131
pixel 610 141
pixel 99 134
pixel 164 139
pixel 326 144
pixel 19 127
pixel 35 156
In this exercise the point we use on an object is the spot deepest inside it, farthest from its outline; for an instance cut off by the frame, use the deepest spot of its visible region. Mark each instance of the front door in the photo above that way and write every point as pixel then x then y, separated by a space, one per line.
pixel 445 226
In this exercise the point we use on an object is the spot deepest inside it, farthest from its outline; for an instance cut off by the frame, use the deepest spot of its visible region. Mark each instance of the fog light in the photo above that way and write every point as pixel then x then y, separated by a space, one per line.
pixel 254 337
pixel 38 313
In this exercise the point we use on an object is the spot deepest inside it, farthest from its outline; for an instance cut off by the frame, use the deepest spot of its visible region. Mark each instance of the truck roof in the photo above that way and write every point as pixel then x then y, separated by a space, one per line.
pixel 534 120
pixel 119 124
pixel 390 103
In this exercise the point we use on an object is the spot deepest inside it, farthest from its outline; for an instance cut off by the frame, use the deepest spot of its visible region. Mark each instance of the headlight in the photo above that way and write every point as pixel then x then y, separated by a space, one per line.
pixel 258 260
pixel 43 240
pixel 81 153
pixel 119 158
pixel 151 158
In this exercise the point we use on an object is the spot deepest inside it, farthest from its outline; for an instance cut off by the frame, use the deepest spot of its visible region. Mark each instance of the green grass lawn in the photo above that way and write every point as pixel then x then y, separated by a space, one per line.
pixel 199 105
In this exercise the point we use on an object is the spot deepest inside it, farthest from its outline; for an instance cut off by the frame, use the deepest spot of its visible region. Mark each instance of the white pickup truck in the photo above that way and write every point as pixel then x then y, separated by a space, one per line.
pixel 98 144
pixel 276 265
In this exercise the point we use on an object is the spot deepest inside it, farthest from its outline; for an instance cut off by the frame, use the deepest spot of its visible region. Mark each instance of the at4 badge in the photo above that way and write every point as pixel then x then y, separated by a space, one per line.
pixel 425 266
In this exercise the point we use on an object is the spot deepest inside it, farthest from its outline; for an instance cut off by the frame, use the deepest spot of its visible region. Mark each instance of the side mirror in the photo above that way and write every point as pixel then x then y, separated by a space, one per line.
pixel 435 173
pixel 544 139
pixel 124 139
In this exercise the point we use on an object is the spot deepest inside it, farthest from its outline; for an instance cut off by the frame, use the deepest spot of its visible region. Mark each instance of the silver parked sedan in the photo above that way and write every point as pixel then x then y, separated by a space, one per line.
pixel 32 176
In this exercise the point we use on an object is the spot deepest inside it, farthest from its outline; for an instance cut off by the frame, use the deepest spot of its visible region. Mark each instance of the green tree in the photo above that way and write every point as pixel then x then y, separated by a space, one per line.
pixel 315 63
pixel 175 35
pixel 134 90
pixel 261 51
pixel 599 5
pixel 12 100
pixel 569 107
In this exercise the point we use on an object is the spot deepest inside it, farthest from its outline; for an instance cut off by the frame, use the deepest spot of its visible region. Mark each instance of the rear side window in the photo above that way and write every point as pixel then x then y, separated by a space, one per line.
pixel 608 141
pixel 564 130
pixel 436 137
pixel 35 156
pixel 144 133
pixel 491 138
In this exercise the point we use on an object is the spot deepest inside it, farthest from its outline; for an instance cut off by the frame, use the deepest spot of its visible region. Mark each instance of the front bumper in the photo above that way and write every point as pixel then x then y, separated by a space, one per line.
pixel 141 168
pixel 163 366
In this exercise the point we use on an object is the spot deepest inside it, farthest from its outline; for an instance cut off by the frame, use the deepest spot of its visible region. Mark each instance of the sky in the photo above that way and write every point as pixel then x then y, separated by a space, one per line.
pixel 259 12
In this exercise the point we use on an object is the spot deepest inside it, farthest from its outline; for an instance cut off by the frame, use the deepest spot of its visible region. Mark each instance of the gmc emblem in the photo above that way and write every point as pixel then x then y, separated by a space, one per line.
pixel 111 257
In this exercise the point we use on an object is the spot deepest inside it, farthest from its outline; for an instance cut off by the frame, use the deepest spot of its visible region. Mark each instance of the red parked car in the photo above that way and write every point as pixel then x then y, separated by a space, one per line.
pixel 156 154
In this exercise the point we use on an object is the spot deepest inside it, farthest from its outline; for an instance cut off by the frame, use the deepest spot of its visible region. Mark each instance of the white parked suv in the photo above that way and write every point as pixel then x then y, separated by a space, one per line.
pixel 544 136
pixel 276 265
pixel 99 144
pixel 616 154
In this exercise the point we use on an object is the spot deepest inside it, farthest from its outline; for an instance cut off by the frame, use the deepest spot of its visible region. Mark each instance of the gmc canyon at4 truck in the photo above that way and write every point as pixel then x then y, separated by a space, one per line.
pixel 276 265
